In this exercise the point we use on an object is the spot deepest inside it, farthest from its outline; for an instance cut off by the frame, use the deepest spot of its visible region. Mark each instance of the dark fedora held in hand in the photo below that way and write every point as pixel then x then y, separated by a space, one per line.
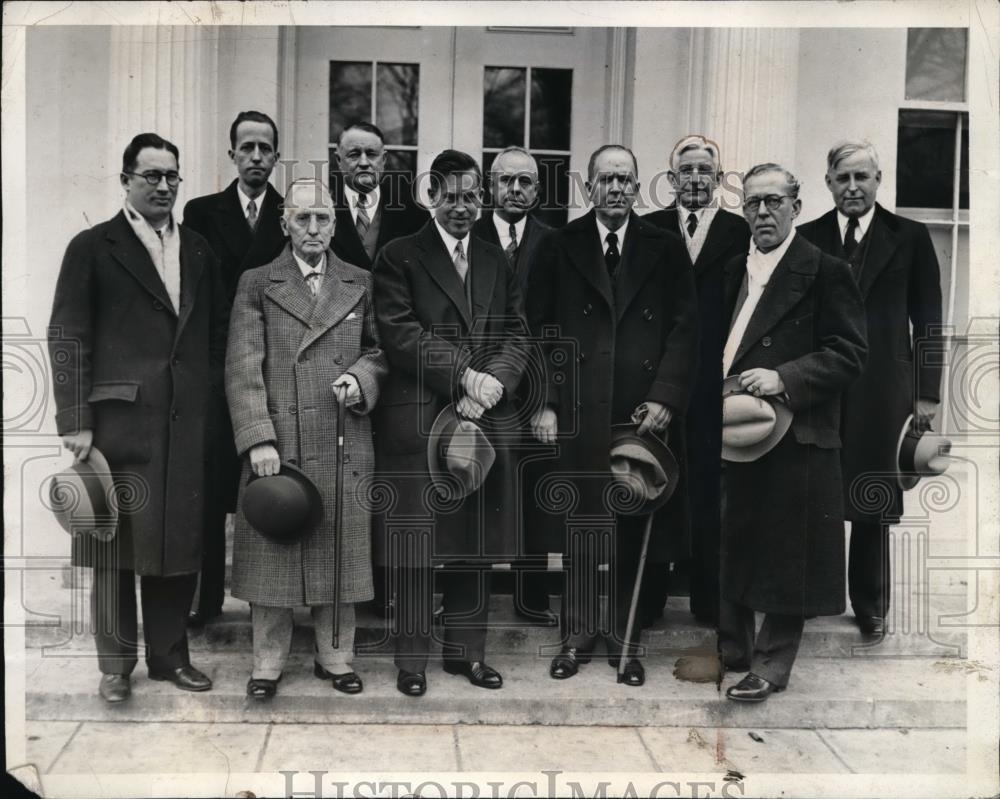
pixel 83 497
pixel 751 426
pixel 642 466
pixel 920 453
pixel 459 455
pixel 284 507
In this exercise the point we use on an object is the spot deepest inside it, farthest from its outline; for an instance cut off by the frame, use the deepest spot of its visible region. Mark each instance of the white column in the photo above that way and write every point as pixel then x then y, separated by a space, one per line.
pixel 165 80
pixel 742 93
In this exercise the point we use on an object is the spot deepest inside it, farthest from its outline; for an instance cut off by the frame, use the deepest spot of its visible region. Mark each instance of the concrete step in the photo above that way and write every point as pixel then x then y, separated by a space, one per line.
pixel 824 692
pixel 676 632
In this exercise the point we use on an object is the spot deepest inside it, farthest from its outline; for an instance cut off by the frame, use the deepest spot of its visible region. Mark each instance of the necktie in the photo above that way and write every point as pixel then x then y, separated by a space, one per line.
pixel 692 224
pixel 252 214
pixel 851 236
pixel 511 249
pixel 363 222
pixel 612 257
pixel 313 280
pixel 461 262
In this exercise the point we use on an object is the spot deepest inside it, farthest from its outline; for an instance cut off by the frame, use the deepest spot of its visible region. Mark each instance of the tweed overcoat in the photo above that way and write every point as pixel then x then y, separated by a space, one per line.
pixel 633 343
pixel 286 347
pixel 431 334
pixel 900 282
pixel 783 522
pixel 142 377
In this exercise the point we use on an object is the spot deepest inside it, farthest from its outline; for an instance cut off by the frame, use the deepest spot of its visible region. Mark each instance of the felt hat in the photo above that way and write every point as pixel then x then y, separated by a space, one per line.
pixel 459 455
pixel 283 507
pixel 751 425
pixel 644 467
pixel 920 453
pixel 83 497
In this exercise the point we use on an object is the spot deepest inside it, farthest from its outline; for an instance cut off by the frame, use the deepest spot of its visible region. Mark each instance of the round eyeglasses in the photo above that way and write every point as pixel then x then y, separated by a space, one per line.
pixel 154 178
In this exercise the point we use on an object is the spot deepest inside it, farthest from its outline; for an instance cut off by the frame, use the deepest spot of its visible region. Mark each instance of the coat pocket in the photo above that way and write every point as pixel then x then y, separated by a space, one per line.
pixel 121 425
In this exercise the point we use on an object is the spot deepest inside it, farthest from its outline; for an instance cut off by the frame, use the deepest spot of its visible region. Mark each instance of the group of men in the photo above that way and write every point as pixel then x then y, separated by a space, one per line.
pixel 216 352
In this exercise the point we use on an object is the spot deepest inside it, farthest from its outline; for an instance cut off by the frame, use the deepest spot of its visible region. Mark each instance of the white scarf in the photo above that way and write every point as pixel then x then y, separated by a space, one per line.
pixel 165 251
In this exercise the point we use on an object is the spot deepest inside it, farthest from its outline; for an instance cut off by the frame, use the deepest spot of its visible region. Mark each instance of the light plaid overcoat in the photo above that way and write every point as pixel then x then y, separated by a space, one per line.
pixel 285 349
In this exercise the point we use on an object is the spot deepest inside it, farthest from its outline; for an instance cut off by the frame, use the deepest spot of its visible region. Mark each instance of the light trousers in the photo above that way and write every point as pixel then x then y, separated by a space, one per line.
pixel 272 639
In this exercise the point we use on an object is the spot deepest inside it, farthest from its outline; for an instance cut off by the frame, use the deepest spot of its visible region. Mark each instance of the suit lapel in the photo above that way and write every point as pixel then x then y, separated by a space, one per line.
pixel 525 245
pixel 337 295
pixel 130 253
pixel 882 243
pixel 483 270
pixel 587 256
pixel 638 260
pixel 192 258
pixel 716 242
pixel 439 265
pixel 288 290
pixel 263 241
pixel 232 223
pixel 346 236
pixel 791 279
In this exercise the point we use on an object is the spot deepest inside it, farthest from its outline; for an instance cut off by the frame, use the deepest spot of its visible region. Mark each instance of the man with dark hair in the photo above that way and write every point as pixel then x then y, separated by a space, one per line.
pixel 623 291
pixel 451 324
pixel 373 207
pixel 242 226
pixel 893 262
pixel 137 340
pixel 711 238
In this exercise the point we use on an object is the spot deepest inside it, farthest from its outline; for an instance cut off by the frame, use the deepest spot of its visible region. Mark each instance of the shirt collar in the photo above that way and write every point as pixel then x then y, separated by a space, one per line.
pixel 245 199
pixel 603 232
pixel 165 230
pixel 306 268
pixel 352 198
pixel 503 228
pixel 863 222
pixel 769 260
pixel 450 241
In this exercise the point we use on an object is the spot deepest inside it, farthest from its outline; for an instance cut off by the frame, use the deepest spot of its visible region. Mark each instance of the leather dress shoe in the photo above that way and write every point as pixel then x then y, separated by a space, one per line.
pixel 872 625
pixel 633 674
pixel 347 683
pixel 261 689
pixel 567 663
pixel 478 673
pixel 537 618
pixel 187 678
pixel 115 688
pixel 411 683
pixel 753 689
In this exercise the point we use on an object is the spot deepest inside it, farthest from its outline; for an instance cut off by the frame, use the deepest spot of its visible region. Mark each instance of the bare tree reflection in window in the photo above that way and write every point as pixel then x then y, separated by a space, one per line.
pixel 503 106
pixel 397 102
pixel 935 64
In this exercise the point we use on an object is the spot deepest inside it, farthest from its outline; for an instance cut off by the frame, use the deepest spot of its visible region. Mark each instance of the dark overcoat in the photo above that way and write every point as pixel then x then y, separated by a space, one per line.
pixel 430 335
pixel 286 348
pixel 534 231
pixel 783 523
pixel 142 377
pixel 398 212
pixel 634 343
pixel 900 282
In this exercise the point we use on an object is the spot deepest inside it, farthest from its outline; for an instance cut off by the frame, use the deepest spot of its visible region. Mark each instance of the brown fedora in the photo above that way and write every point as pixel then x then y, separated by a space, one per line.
pixel 920 453
pixel 83 498
pixel 644 467
pixel 751 426
pixel 459 455
pixel 283 507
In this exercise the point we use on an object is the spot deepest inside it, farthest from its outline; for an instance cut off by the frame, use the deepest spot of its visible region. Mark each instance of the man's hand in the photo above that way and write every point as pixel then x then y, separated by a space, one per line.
pixel 264 460
pixel 926 411
pixel 762 382
pixel 654 419
pixel 545 425
pixel 79 443
pixel 484 388
pixel 469 408
pixel 348 390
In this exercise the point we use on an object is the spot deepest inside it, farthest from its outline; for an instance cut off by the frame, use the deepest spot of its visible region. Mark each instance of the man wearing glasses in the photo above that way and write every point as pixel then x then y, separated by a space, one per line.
pixel 797 334
pixel 137 342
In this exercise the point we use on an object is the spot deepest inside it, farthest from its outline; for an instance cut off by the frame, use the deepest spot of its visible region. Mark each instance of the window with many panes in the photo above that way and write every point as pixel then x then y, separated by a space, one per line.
pixel 531 107
pixel 385 93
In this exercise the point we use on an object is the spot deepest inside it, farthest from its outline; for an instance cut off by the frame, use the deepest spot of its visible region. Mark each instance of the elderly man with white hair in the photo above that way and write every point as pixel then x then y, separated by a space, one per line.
pixel 302 328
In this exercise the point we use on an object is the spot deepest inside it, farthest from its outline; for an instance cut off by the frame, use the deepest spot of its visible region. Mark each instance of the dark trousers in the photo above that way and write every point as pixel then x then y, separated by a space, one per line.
pixel 222 476
pixel 465 596
pixel 165 604
pixel 531 584
pixel 770 653
pixel 581 597
pixel 704 566
pixel 868 577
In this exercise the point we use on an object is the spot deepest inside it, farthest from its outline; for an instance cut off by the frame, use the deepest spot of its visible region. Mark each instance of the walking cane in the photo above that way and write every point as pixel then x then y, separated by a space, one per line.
pixel 635 598
pixel 340 394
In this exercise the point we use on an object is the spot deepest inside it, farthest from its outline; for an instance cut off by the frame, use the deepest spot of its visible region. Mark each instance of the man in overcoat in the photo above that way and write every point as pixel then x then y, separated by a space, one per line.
pixel 451 321
pixel 241 225
pixel 301 326
pixel 712 236
pixel 797 334
pixel 137 341
pixel 623 292
pixel 373 206
pixel 512 226
pixel 893 262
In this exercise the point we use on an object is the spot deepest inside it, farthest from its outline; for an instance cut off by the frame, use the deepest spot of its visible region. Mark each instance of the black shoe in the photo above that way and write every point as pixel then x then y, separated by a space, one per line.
pixel 187 678
pixel 872 626
pixel 753 689
pixel 537 618
pixel 115 688
pixel 633 673
pixel 438 616
pixel 347 683
pixel 567 663
pixel 411 683
pixel 261 689
pixel 478 673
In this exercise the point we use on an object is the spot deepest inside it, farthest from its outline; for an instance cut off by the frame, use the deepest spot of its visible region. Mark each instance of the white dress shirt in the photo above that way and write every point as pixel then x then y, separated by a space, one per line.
pixel 245 200
pixel 371 202
pixel 603 232
pixel 503 230
pixel 760 267
pixel 307 269
pixel 450 242
pixel 863 224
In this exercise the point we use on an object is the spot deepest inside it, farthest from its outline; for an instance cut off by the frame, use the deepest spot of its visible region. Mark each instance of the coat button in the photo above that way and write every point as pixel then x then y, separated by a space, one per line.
pixel 647 365
pixel 766 341
pixel 581 357
pixel 293 461
pixel 157 305
pixel 292 410
pixel 587 309
pixel 647 314
pixel 347 457
pixel 174 416
pixel 338 360
pixel 175 361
